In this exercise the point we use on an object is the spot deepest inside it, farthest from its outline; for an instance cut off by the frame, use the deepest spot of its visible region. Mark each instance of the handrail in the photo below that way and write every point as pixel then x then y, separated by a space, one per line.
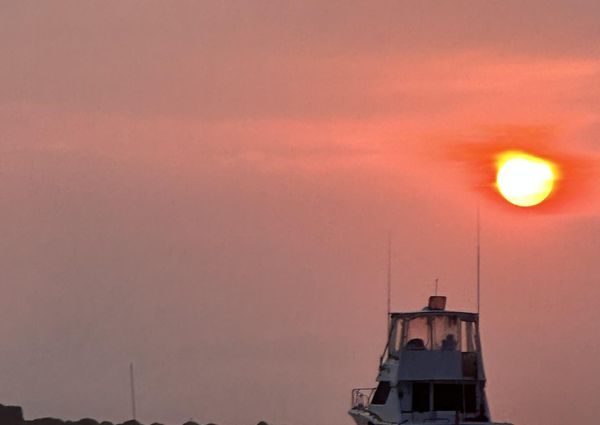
pixel 361 397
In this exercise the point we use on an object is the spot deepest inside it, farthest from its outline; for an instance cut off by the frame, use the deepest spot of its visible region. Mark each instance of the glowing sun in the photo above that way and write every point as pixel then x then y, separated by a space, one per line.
pixel 525 180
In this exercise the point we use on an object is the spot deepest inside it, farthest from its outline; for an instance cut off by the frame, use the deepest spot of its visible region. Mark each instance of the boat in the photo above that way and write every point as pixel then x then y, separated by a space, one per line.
pixel 431 371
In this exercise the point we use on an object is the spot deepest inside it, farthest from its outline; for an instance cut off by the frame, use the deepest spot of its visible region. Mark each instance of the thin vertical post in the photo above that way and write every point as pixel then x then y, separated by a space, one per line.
pixel 132 386
pixel 389 283
pixel 478 259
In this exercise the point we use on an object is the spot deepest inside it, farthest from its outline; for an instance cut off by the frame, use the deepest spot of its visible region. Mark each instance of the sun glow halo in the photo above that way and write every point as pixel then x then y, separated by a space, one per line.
pixel 525 180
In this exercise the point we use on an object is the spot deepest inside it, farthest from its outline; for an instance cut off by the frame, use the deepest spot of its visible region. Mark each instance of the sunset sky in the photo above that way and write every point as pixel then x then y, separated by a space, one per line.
pixel 206 189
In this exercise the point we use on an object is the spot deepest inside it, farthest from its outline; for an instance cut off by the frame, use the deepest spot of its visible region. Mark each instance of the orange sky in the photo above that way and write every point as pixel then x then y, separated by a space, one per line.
pixel 206 189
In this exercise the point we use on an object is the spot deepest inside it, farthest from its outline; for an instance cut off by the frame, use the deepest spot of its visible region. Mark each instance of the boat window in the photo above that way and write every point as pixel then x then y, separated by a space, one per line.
pixel 445 333
pixel 420 397
pixel 469 365
pixel 381 393
pixel 454 397
pixel 467 337
pixel 470 394
pixel 417 334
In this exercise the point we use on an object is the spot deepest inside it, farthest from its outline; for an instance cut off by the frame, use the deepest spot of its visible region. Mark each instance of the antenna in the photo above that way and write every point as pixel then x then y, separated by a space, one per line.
pixel 132 385
pixel 437 280
pixel 389 282
pixel 478 259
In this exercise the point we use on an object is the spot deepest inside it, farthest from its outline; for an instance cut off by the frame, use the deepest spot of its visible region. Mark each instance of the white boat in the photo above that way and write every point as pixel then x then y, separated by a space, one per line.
pixel 431 372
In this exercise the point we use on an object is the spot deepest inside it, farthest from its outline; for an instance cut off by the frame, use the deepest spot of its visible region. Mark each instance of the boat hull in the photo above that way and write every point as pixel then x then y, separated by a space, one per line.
pixel 364 417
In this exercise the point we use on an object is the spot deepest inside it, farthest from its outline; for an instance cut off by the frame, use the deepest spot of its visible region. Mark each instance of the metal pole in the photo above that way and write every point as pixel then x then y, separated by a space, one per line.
pixel 132 385
pixel 478 259
pixel 389 282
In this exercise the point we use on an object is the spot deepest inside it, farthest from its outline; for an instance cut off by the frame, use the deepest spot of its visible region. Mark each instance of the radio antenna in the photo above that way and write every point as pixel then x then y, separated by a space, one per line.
pixel 132 385
pixel 478 259
pixel 389 282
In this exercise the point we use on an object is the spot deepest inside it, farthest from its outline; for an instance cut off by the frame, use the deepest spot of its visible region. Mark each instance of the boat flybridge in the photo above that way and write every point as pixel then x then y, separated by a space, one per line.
pixel 430 372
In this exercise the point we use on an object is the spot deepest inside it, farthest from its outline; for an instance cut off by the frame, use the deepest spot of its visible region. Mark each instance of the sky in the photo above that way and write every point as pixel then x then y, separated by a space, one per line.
pixel 206 188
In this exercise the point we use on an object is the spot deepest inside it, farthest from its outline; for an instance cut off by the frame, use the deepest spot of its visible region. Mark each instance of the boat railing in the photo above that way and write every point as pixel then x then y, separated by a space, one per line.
pixel 361 397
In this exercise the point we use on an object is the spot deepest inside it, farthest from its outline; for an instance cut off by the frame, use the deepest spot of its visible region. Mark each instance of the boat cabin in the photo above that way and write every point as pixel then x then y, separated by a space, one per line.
pixel 431 370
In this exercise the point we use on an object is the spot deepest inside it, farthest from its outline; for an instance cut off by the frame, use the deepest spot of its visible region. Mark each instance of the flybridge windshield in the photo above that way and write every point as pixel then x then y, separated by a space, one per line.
pixel 435 332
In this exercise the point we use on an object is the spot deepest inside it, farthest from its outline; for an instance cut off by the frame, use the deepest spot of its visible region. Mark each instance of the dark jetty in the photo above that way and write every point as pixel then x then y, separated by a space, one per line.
pixel 13 415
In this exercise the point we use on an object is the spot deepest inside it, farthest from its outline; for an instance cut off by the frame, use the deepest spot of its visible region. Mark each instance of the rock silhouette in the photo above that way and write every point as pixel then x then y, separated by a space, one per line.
pixel 131 422
pixel 45 421
pixel 86 421
pixel 13 415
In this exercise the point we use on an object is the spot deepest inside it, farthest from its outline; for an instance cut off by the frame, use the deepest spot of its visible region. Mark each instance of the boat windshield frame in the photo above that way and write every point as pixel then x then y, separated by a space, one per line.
pixel 463 335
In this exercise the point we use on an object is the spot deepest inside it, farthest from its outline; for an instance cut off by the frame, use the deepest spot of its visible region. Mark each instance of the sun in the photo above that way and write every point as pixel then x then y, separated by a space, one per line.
pixel 525 180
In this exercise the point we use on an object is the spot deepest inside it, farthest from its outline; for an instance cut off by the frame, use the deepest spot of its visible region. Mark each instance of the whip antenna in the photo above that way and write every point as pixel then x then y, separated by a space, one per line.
pixel 478 259
pixel 132 388
pixel 389 282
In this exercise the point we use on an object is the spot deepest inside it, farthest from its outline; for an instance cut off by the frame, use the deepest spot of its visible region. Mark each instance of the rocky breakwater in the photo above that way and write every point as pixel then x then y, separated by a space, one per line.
pixel 13 415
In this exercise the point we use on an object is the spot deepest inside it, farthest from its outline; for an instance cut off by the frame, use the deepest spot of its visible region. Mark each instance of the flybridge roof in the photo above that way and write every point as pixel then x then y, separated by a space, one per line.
pixel 437 307
pixel 461 314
